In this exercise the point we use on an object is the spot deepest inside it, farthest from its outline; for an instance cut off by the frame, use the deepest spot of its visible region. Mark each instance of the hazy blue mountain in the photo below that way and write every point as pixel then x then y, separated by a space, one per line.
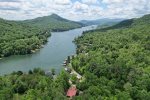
pixel 104 21
pixel 145 20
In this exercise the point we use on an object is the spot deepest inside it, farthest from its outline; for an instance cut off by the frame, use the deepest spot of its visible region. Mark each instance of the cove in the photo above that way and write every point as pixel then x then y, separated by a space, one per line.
pixel 58 47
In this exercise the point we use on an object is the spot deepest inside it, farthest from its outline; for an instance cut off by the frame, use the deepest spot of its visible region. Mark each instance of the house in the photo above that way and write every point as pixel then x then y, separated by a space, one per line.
pixel 72 91
pixel 65 63
pixel 79 77
pixel 68 69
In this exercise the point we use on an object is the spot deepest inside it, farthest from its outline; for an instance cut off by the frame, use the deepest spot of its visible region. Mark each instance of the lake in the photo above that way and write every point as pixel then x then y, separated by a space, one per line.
pixel 58 47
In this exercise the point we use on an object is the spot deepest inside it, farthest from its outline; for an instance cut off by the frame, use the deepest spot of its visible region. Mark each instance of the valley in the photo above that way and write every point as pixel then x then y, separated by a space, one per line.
pixel 112 63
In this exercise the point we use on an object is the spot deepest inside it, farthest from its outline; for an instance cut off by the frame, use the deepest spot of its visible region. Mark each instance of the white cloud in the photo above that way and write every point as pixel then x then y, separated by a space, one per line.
pixel 112 1
pixel 62 2
pixel 10 4
pixel 125 8
pixel 80 6
pixel 77 10
pixel 90 1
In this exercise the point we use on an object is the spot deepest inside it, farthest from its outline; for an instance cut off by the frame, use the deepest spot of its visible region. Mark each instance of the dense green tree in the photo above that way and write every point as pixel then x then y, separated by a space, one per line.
pixel 33 86
pixel 115 61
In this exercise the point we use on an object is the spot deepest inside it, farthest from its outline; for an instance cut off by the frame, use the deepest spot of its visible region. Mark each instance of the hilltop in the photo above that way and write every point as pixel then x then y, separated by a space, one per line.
pixel 53 22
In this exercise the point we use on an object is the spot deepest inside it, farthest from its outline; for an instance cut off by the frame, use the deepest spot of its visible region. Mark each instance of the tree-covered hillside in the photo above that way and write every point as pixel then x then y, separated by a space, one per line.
pixel 53 22
pixel 115 63
pixel 24 37
pixel 17 38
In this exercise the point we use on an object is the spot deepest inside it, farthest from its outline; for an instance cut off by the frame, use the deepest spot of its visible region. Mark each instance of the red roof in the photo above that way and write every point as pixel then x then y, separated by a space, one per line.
pixel 71 92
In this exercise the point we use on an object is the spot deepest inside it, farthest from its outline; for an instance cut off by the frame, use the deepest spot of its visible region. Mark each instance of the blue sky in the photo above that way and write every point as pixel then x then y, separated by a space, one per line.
pixel 73 9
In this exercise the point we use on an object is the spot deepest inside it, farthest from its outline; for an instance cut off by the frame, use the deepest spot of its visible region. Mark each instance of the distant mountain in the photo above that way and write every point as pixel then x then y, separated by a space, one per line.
pixel 53 22
pixel 101 22
pixel 145 20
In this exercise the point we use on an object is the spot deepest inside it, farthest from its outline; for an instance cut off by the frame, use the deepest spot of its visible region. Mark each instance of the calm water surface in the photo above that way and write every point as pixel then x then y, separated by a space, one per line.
pixel 57 49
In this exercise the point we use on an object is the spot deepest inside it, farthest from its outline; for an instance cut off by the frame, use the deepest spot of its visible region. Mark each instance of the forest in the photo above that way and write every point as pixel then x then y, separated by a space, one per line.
pixel 25 37
pixel 19 39
pixel 34 85
pixel 115 62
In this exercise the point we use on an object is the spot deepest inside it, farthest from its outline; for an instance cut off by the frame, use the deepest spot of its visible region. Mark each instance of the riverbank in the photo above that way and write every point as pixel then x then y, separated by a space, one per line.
pixel 57 48
pixel 46 34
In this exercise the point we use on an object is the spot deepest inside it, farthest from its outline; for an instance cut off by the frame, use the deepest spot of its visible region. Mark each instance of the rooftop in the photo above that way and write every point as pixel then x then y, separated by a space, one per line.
pixel 71 91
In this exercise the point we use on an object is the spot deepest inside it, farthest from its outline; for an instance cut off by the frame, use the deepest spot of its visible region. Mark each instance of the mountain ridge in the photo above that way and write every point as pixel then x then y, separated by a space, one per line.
pixel 104 21
pixel 53 22
pixel 144 20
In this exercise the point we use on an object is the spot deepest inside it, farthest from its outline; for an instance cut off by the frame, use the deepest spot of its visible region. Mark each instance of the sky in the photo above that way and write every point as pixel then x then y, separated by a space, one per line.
pixel 73 9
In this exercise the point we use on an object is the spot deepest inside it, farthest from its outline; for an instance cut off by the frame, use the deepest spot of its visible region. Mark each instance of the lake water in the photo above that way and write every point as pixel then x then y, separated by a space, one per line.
pixel 53 54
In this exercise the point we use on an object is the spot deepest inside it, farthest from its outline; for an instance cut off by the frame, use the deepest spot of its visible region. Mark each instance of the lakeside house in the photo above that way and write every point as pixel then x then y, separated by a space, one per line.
pixel 67 69
pixel 72 91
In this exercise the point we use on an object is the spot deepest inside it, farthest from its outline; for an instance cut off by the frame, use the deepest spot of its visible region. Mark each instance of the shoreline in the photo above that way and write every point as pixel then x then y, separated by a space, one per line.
pixel 32 52
pixel 39 47
pixel 42 45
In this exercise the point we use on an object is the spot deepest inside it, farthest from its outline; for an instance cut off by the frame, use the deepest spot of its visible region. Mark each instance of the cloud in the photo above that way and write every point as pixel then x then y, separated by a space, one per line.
pixel 112 1
pixel 80 6
pixel 90 1
pixel 9 8
pixel 62 2
pixel 73 9
pixel 9 0
pixel 126 8
pixel 9 5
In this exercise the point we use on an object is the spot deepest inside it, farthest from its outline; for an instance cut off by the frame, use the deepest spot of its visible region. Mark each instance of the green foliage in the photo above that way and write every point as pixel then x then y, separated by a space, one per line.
pixel 17 38
pixel 74 79
pixel 33 86
pixel 25 37
pixel 115 62
pixel 53 71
